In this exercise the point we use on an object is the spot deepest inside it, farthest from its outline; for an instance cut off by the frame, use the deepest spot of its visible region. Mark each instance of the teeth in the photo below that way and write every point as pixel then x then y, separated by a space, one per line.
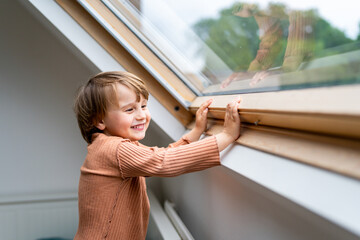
pixel 138 126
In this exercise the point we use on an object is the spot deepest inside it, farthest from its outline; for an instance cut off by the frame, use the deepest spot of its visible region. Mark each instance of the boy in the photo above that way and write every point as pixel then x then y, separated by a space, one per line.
pixel 112 114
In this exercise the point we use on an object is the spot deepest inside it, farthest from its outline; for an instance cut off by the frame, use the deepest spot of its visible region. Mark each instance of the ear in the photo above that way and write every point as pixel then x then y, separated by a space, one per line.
pixel 100 125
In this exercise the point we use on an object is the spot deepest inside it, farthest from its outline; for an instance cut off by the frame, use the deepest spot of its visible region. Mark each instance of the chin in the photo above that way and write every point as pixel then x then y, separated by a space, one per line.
pixel 141 138
pixel 138 138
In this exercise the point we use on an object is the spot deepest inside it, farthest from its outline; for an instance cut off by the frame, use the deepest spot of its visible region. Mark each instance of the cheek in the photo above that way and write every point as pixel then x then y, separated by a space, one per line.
pixel 123 121
pixel 148 116
pixel 128 120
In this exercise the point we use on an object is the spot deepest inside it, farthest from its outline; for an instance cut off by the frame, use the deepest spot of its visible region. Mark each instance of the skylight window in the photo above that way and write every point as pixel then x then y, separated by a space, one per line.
pixel 226 47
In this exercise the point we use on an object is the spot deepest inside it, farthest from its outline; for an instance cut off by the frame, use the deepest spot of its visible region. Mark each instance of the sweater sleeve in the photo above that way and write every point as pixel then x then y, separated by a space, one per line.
pixel 182 141
pixel 136 160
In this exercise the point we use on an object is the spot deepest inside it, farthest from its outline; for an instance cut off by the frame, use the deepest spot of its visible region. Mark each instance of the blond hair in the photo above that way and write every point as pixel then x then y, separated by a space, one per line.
pixel 94 98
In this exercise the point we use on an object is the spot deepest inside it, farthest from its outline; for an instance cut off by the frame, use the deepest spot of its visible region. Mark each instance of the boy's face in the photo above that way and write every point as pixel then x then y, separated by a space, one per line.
pixel 128 120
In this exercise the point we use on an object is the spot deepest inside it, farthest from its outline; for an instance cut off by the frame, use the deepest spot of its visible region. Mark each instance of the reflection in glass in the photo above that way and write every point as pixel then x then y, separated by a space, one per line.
pixel 229 47
pixel 299 44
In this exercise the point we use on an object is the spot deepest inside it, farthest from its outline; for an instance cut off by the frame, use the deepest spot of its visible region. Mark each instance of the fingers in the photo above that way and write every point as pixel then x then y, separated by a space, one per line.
pixel 232 119
pixel 258 77
pixel 235 110
pixel 228 111
pixel 236 76
pixel 232 109
pixel 203 109
pixel 201 116
pixel 205 104
pixel 227 81
pixel 255 79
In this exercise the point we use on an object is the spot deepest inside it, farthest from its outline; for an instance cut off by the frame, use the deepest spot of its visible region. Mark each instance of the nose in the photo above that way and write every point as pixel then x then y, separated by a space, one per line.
pixel 140 114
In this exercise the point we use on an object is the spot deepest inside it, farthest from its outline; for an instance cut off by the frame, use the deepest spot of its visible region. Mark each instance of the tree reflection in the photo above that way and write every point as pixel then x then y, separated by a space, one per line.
pixel 255 43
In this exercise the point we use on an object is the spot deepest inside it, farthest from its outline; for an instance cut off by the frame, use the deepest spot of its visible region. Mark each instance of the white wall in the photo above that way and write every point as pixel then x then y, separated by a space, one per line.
pixel 41 146
pixel 41 149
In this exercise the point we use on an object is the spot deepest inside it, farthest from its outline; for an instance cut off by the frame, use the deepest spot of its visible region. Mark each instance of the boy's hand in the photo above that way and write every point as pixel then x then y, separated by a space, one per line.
pixel 200 122
pixel 231 130
pixel 201 116
pixel 232 119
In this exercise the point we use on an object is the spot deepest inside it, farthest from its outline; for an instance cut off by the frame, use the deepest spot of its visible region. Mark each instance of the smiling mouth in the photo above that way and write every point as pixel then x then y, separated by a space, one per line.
pixel 138 127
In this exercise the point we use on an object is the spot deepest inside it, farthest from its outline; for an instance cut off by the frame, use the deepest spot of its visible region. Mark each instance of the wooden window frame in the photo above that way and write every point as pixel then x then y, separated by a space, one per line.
pixel 317 126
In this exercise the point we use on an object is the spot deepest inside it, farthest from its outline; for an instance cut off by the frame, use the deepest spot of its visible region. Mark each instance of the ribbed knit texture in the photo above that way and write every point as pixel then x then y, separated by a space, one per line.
pixel 113 203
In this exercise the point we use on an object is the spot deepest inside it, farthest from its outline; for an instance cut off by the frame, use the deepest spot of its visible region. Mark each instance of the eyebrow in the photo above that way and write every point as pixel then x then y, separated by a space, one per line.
pixel 127 105
pixel 130 104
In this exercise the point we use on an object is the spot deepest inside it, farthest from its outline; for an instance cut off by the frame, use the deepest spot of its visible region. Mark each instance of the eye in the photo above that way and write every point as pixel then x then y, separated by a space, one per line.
pixel 129 110
pixel 143 106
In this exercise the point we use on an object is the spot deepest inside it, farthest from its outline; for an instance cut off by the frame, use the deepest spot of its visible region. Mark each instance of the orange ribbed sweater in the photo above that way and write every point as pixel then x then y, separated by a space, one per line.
pixel 113 203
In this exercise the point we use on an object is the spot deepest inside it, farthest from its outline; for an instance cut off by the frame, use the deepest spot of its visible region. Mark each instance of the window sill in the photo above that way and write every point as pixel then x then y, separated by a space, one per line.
pixel 318 126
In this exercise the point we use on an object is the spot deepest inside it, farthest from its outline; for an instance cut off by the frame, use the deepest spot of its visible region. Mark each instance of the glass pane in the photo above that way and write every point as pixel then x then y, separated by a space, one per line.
pixel 229 46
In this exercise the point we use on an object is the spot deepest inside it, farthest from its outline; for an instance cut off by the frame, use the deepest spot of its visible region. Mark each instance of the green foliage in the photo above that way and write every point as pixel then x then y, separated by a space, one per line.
pixel 235 39
pixel 329 36
pixel 231 38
